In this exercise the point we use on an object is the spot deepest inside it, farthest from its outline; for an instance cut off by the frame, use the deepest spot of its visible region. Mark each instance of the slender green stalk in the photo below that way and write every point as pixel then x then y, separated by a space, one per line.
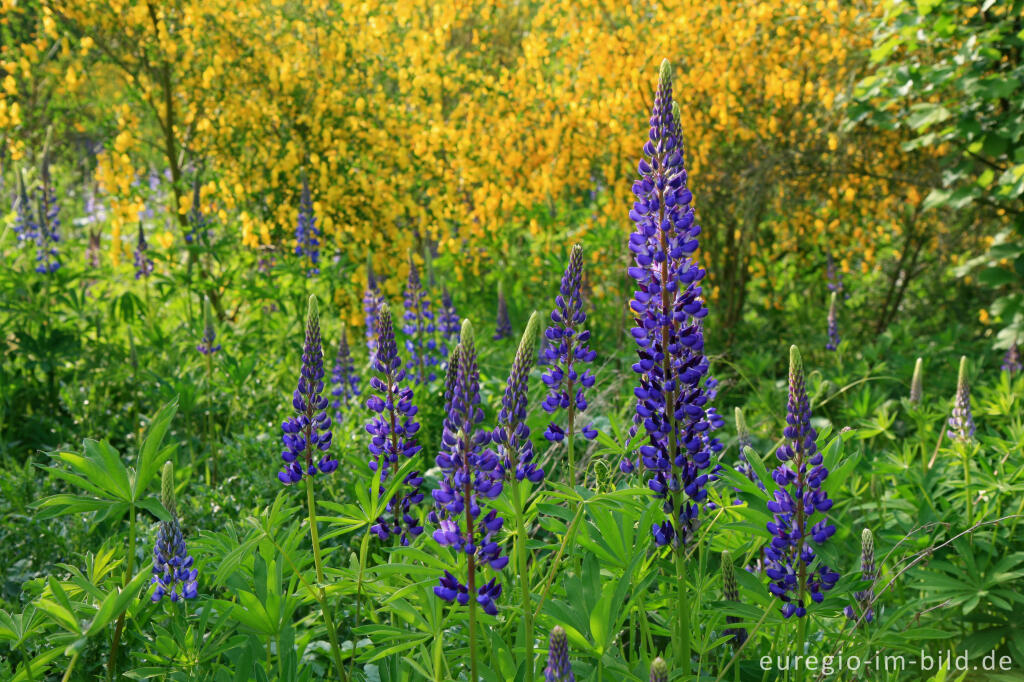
pixel 682 614
pixel 71 666
pixel 566 539
pixel 332 632
pixel 363 547
pixel 967 484
pixel 801 636
pixel 129 566
pixel 524 577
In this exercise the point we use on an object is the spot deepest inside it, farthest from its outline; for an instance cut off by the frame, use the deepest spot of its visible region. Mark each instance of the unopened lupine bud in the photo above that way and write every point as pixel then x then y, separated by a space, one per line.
pixel 731 592
pixel 1011 360
pixel 558 668
pixel 865 598
pixel 961 422
pixel 167 489
pixel 916 389
pixel 659 670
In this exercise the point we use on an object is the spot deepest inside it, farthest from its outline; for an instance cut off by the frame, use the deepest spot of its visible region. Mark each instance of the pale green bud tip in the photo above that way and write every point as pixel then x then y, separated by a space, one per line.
pixel 796 363
pixel 313 311
pixel 867 539
pixel 659 670
pixel 530 335
pixel 741 422
pixel 665 72
pixel 467 332
pixel 961 379
pixel 167 488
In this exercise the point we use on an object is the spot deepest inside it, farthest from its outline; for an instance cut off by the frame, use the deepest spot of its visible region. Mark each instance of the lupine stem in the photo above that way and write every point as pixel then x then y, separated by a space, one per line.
pixel 682 613
pixel 325 608
pixel 129 566
pixel 524 576
pixel 471 582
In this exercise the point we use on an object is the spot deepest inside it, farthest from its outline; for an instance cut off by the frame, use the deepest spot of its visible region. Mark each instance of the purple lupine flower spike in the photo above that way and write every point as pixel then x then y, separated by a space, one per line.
pixel 558 669
pixel 448 322
pixel 47 233
pixel 512 435
pixel 173 573
pixel 961 422
pixel 344 379
pixel 143 263
pixel 393 435
pixel 865 598
pixel 833 325
pixel 196 218
pixel 668 307
pixel 1011 361
pixel 659 670
pixel 790 560
pixel 419 328
pixel 503 326
pixel 208 345
pixel 307 235
pixel 567 349
pixel 471 476
pixel 371 304
pixel 24 224
pixel 309 431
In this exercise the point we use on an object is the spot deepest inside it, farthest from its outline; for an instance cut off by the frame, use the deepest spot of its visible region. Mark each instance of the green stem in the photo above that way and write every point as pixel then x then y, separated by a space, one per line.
pixel 524 576
pixel 325 608
pixel 569 535
pixel 364 546
pixel 801 634
pixel 682 614
pixel 967 485
pixel 129 567
pixel 71 666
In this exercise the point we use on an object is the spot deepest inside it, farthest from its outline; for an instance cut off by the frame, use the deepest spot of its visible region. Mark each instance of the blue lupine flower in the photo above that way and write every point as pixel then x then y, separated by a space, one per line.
pixel 344 379
pixel 472 475
pixel 208 345
pixel 307 235
pixel 25 227
pixel 558 669
pixel 668 306
pixel 512 435
pixel 393 434
pixel 371 304
pixel 566 349
pixel 419 328
pixel 790 560
pixel 865 598
pixel 961 422
pixel 47 234
pixel 196 220
pixel 310 430
pixel 143 263
pixel 503 326
pixel 172 565
pixel 833 325
pixel 448 322
pixel 1011 360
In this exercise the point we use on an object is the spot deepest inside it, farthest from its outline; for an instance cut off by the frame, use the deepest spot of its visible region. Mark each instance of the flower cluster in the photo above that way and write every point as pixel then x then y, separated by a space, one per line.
pixel 143 263
pixel 558 669
pixel 472 475
pixel 1011 360
pixel 659 670
pixel 208 345
pixel 344 379
pixel 833 325
pixel 172 565
pixel 196 219
pixel 834 277
pixel 307 235
pixel 503 326
pixel 448 323
pixel 566 349
pixel 668 307
pixel 512 435
pixel 419 328
pixel 865 598
pixel 371 306
pixel 310 430
pixel 961 422
pixel 790 561
pixel 393 434
pixel 47 233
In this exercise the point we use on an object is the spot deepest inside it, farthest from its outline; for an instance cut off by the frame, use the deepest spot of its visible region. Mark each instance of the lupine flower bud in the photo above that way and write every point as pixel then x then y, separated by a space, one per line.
pixel 167 489
pixel 309 432
pixel 790 560
pixel 865 598
pixel 307 235
pixel 1011 361
pixel 503 326
pixel 567 348
pixel 916 390
pixel 512 435
pixel 659 670
pixel 668 307
pixel 371 304
pixel 143 263
pixel 393 434
pixel 419 327
pixel 558 668
pixel 343 376
pixel 172 565
pixel 833 325
pixel 961 422
pixel 207 345
pixel 731 592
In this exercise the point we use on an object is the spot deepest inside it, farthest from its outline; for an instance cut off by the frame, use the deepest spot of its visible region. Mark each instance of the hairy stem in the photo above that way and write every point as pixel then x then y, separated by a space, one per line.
pixel 524 576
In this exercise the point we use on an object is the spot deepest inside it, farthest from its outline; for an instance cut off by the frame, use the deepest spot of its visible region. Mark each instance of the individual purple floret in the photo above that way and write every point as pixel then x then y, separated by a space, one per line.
pixel 791 563
pixel 307 235
pixel 558 669
pixel 344 379
pixel 471 476
pixel 371 305
pixel 668 306
pixel 208 345
pixel 1011 361
pixel 833 325
pixel 567 349
pixel 419 328
pixel 143 263
pixel 393 435
pixel 961 422
pixel 503 326
pixel 512 435
pixel 865 598
pixel 309 432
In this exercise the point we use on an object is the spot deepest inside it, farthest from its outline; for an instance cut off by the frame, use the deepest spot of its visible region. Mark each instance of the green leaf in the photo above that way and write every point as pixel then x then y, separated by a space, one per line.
pixel 926 114
pixel 151 457
pixel 117 601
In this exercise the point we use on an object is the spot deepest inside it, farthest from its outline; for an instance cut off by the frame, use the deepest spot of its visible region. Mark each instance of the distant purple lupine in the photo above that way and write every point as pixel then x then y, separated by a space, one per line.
pixel 833 325
pixel 865 598
pixel 503 326
pixel 961 422
pixel 371 306
pixel 143 263
pixel 791 563
pixel 448 322
pixel 309 431
pixel 307 235
pixel 393 434
pixel 419 329
pixel 1011 361
pixel 25 226
pixel 47 225
pixel 344 380
pixel 558 669
pixel 208 344
pixel 195 218
pixel 512 435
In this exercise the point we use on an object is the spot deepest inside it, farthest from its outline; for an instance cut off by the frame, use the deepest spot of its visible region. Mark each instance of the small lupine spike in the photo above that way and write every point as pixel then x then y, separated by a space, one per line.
pixel 420 329
pixel 172 565
pixel 344 380
pixel 558 669
pixel 143 263
pixel 961 422
pixel 207 345
pixel 512 435
pixel 916 389
pixel 833 324
pixel 503 326
pixel 865 598
pixel 659 670
pixel 1012 361
pixel 731 592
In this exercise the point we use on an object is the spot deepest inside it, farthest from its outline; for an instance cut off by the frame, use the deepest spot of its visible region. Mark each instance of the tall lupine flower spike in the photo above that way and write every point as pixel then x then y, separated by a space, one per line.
pixel 344 379
pixel 208 346
pixel 196 218
pixel 307 235
pixel 371 305
pixel 791 562
pixel 865 598
pixel 309 431
pixel 916 389
pixel 448 322
pixel 1011 361
pixel 24 224
pixel 668 307
pixel 393 434
pixel 419 328
pixel 659 670
pixel 503 326
pixel 512 435
pixel 833 325
pixel 567 349
pixel 558 669
pixel 48 224
pixel 731 592
pixel 172 565
pixel 835 278
pixel 143 263
pixel 472 475
pixel 961 422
